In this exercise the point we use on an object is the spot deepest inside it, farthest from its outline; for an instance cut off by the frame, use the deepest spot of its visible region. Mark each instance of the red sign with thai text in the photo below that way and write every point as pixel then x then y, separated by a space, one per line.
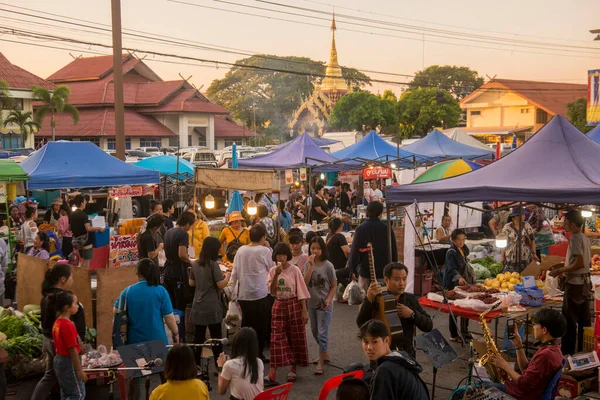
pixel 123 251
pixel 130 191
pixel 377 173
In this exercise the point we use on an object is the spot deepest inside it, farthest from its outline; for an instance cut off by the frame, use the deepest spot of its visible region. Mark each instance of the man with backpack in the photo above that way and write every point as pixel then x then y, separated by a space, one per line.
pixel 234 236
pixel 275 232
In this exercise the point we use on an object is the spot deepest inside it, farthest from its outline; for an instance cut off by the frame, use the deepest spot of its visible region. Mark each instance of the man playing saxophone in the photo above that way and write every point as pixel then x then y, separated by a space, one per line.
pixel 549 326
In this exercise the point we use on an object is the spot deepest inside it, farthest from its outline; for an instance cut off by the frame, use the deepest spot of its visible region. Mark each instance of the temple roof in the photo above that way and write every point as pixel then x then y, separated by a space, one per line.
pixel 334 81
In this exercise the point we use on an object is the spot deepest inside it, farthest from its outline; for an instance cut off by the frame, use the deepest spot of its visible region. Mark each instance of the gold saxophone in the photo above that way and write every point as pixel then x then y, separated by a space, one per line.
pixel 497 375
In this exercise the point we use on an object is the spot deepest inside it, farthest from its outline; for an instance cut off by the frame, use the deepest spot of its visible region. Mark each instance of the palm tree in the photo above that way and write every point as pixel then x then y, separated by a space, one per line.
pixel 25 122
pixel 54 103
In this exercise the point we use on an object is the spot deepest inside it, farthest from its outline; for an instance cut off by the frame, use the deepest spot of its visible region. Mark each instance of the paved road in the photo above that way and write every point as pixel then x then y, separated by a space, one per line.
pixel 345 348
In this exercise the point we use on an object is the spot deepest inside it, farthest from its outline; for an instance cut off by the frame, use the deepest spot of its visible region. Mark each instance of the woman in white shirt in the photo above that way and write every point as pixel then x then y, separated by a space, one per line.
pixel 244 373
pixel 29 228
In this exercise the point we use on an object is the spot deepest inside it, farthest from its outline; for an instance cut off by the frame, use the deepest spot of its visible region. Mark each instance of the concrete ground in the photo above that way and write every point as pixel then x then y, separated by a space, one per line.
pixel 345 348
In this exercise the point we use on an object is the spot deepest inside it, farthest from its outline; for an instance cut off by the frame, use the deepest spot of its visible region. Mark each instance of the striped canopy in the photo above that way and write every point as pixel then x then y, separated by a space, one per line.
pixel 447 169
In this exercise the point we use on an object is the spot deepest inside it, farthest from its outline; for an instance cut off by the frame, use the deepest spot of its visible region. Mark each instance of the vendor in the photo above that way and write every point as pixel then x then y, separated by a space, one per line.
pixel 443 233
pixel 319 208
pixel 41 246
pixel 498 221
pixel 53 214
pixel 590 230
pixel 527 243
pixel 16 220
pixel 197 234
pixel 234 232
pixel 195 208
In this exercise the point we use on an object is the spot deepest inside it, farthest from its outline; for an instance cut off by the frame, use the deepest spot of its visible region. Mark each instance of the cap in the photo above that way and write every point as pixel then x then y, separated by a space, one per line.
pixel 235 216
pixel 57 202
pixel 516 210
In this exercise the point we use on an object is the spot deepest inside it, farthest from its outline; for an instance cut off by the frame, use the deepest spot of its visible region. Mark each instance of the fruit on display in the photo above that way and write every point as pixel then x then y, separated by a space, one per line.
pixel 504 281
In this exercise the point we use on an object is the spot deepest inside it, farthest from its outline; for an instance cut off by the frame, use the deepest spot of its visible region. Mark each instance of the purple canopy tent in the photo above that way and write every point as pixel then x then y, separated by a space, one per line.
pixel 558 164
pixel 594 134
pixel 439 146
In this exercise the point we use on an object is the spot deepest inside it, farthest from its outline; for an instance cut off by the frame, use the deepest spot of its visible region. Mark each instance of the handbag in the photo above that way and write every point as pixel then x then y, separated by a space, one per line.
pixel 120 322
pixel 233 318
pixel 222 298
pixel 79 242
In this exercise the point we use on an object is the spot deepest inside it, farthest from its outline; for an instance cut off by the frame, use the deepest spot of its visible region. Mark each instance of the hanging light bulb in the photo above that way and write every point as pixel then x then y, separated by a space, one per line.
pixel 501 241
pixel 226 203
pixel 393 166
pixel 322 176
pixel 209 202
pixel 252 208
pixel 74 208
pixel 586 213
pixel 116 198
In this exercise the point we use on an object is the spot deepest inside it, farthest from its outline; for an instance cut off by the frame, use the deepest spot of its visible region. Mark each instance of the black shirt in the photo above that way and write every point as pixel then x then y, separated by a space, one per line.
pixel 48 215
pixel 343 202
pixel 148 243
pixel 335 252
pixel 375 232
pixel 317 202
pixel 397 378
pixel 174 267
pixel 49 316
pixel 78 219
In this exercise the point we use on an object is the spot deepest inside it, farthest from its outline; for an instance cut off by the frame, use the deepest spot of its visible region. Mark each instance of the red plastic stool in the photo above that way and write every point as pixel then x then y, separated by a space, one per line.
pixel 334 382
pixel 280 392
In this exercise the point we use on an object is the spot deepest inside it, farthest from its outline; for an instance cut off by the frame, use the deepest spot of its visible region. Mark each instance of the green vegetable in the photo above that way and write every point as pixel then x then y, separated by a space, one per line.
pixel 14 326
pixel 481 272
pixel 31 308
pixel 90 335
pixel 29 345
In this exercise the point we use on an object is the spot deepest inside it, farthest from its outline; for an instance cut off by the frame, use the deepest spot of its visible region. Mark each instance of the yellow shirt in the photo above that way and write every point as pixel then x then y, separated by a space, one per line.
pixel 228 235
pixel 193 389
pixel 197 234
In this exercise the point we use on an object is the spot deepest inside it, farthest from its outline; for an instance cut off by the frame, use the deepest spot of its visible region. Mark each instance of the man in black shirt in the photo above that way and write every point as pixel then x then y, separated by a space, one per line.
pixel 407 305
pixel 176 243
pixel 81 228
pixel 372 231
pixel 150 245
pixel 342 201
pixel 396 374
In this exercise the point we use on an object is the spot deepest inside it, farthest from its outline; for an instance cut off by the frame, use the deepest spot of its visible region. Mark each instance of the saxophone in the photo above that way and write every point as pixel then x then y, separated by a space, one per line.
pixel 497 375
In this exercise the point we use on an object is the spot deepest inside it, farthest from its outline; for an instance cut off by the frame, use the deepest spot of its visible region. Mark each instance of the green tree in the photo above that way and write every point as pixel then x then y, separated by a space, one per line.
pixel 6 101
pixel 459 81
pixel 25 122
pixel 269 98
pixel 54 103
pixel 577 114
pixel 363 110
pixel 422 109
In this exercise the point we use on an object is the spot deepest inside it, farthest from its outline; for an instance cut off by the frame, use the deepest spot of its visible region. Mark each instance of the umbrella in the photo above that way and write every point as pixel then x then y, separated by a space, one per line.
pixel 167 165
pixel 236 203
pixel 447 169
pixel 514 142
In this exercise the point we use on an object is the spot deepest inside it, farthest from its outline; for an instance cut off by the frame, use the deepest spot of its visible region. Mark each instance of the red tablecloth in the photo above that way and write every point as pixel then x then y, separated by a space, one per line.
pixel 458 312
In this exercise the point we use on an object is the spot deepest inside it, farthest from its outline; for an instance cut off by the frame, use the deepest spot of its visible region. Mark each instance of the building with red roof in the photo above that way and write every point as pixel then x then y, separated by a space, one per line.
pixel 19 82
pixel 157 113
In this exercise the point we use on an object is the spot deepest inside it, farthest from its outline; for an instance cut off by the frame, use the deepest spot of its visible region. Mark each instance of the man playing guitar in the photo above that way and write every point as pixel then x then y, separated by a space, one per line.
pixel 408 309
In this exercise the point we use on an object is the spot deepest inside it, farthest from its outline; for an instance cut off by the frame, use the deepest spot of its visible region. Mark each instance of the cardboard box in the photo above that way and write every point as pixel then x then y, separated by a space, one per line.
pixel 571 387
pixel 98 222
pixel 534 268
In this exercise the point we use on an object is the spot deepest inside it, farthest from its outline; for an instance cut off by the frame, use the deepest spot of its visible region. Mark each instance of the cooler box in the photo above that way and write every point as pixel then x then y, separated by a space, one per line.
pixel 180 320
pixel 100 239
pixel 423 283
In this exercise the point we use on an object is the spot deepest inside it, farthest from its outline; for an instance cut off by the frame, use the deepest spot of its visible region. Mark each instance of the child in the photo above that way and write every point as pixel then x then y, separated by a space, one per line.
pixel 180 371
pixel 289 316
pixel 319 276
pixel 68 346
pixel 298 257
pixel 309 237
pixel 352 389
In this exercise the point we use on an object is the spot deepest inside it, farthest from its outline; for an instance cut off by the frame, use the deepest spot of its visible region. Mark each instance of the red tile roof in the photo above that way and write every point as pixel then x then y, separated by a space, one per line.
pixel 185 101
pixel 101 122
pixel 549 96
pixel 89 68
pixel 18 78
pixel 225 128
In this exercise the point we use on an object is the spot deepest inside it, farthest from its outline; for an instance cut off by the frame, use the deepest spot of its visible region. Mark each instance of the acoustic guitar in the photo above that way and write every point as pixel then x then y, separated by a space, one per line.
pixel 386 304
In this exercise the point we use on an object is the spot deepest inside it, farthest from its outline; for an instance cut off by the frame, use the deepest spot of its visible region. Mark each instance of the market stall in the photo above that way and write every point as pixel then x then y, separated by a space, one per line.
pixel 438 147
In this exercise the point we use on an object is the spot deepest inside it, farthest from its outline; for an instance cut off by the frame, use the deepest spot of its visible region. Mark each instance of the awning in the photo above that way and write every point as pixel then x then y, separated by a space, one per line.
pixel 10 171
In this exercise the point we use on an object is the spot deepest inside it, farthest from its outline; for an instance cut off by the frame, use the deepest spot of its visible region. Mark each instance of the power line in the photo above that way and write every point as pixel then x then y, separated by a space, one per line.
pixel 42 36
pixel 304 23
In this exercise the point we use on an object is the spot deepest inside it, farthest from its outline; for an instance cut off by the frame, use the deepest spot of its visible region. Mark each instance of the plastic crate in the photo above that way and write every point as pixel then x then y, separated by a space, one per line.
pixel 588 338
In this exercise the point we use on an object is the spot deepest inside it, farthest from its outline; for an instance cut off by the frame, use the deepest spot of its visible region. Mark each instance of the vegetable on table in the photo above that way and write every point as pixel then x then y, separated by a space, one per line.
pixel 29 345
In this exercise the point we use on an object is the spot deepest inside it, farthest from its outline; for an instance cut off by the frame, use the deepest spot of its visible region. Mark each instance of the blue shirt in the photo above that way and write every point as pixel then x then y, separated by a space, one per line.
pixel 146 307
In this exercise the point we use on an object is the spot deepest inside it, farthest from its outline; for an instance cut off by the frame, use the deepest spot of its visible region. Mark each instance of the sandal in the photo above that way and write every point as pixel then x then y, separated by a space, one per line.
pixel 268 382
pixel 326 361
pixel 456 339
pixel 319 371
pixel 291 377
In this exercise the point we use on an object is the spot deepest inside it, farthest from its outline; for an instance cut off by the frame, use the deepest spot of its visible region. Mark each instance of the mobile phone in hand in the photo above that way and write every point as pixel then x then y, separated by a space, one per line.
pixel 510 326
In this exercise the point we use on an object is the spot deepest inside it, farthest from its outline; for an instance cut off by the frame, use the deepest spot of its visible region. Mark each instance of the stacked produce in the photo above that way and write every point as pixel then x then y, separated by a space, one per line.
pixel 486 267
pixel 595 269
pixel 21 338
pixel 506 281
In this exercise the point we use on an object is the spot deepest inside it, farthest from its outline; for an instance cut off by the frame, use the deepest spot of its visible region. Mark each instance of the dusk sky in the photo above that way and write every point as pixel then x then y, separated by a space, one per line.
pixel 391 41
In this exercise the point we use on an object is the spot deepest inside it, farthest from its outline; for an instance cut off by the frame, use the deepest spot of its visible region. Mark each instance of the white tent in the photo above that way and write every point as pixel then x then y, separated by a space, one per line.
pixel 460 136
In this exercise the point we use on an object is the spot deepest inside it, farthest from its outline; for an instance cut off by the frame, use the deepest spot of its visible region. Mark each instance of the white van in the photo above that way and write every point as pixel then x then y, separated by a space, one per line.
pixel 202 157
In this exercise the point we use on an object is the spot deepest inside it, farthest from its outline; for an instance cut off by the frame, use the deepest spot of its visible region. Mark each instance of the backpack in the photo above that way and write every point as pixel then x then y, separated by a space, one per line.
pixel 273 238
pixel 233 246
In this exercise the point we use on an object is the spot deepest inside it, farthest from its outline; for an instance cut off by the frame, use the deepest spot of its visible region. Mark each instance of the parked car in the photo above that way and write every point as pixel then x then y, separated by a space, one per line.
pixel 168 150
pixel 129 159
pixel 23 151
pixel 200 156
pixel 152 151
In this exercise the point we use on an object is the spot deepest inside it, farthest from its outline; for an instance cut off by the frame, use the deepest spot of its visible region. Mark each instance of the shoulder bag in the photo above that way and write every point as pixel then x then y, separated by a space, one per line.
pixel 120 322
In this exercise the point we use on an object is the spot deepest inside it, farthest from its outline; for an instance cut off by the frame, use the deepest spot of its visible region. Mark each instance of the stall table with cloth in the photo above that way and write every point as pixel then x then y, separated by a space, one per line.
pixel 492 316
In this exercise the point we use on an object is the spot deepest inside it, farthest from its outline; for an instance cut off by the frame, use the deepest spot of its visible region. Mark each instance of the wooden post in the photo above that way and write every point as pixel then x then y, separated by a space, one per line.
pixel 118 80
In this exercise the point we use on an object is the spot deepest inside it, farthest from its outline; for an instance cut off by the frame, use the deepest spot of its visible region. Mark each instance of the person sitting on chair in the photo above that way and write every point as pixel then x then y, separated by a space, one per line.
pixel 396 375
pixel 549 326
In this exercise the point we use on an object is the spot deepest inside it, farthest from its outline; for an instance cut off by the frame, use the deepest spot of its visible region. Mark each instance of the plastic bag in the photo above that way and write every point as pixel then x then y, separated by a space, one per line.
pixel 471 304
pixel 551 286
pixel 233 319
pixel 353 293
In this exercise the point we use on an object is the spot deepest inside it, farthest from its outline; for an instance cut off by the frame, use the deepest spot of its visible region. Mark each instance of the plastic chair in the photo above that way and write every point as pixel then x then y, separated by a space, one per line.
pixel 334 382
pixel 280 392
pixel 550 392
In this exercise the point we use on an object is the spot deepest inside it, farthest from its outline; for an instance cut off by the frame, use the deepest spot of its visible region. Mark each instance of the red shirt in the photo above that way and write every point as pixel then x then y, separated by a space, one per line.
pixel 536 377
pixel 64 335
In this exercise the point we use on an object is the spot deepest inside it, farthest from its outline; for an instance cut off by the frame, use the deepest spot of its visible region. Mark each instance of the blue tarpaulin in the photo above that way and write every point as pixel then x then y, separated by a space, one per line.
pixel 167 165
pixel 236 203
pixel 559 164
pixel 439 146
pixel 63 165
pixel 300 152
pixel 371 147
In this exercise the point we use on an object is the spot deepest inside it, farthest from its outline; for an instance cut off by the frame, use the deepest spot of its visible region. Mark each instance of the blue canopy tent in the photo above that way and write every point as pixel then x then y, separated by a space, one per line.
pixel 594 134
pixel 63 164
pixel 167 165
pixel 373 147
pixel 300 152
pixel 236 203
pixel 438 146
pixel 319 141
pixel 559 164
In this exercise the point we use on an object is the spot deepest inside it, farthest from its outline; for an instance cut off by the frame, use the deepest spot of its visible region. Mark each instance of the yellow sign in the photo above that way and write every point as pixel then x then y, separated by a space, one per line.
pixel 237 179
pixel 593 101
pixel 198 121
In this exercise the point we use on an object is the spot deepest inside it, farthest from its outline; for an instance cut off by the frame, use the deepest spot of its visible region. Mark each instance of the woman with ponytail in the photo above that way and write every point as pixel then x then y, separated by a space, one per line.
pixel 57 280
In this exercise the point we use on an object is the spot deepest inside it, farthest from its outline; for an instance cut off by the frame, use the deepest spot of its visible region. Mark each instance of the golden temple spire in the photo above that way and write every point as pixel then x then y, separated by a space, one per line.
pixel 334 80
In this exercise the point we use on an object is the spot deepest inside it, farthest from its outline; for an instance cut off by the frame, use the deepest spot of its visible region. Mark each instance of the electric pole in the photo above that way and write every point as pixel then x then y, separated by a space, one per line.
pixel 118 80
